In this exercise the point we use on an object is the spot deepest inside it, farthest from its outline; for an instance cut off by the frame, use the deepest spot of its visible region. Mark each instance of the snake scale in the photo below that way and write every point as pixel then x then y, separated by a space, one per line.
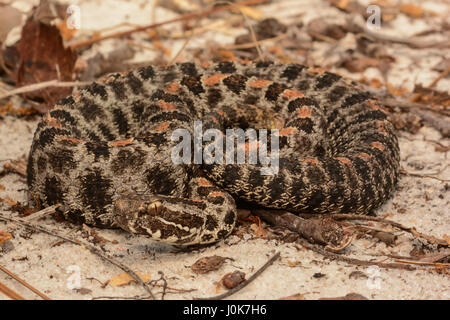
pixel 104 153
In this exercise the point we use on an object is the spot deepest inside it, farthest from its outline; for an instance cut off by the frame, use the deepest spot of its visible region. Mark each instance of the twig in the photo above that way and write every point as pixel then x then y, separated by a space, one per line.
pixel 411 230
pixel 414 43
pixel 42 213
pixel 155 25
pixel 245 283
pixel 441 76
pixel 10 293
pixel 423 263
pixel 252 31
pixel 25 284
pixel 335 256
pixel 422 176
pixel 88 246
pixel 43 85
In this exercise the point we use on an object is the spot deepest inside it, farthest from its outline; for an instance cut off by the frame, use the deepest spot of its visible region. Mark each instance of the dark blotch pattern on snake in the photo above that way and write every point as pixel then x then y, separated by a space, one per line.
pixel 104 152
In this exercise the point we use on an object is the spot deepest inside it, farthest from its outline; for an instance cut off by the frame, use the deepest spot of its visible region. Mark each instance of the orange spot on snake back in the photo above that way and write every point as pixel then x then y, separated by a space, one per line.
pixel 173 87
pixel 287 131
pixel 52 121
pixel 220 112
pixel 377 145
pixel 316 70
pixel 214 79
pixel 166 105
pixel 215 194
pixel 205 64
pixel 162 126
pixel 344 161
pixel 70 139
pixel 304 112
pixel 122 143
pixel 312 161
pixel 288 93
pixel 204 183
pixel 260 83
pixel 364 155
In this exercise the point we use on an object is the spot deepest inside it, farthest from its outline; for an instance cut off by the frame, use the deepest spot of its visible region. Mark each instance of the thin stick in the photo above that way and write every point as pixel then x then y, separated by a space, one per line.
pixel 441 76
pixel 423 176
pixel 88 246
pixel 335 256
pixel 237 6
pixel 25 284
pixel 155 25
pixel 435 264
pixel 411 230
pixel 10 293
pixel 43 85
pixel 252 31
pixel 42 213
pixel 246 282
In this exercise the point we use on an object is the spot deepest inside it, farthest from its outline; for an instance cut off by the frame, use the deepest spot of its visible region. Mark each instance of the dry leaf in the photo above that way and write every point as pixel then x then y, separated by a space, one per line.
pixel 124 279
pixel 66 32
pixel 207 264
pixel 253 13
pixel 359 64
pixel 258 230
pixel 41 57
pixel 5 236
pixel 231 280
pixel 446 238
pixel 412 10
pixel 297 296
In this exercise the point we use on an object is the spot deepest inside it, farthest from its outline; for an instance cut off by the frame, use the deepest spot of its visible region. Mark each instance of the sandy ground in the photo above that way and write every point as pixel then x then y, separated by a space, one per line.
pixel 54 267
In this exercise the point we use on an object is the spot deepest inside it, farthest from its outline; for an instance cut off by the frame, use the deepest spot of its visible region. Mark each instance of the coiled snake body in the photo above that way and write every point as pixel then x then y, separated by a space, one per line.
pixel 104 153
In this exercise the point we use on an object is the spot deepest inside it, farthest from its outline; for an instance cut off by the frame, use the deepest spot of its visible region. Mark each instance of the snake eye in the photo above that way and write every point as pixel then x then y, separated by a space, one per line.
pixel 154 208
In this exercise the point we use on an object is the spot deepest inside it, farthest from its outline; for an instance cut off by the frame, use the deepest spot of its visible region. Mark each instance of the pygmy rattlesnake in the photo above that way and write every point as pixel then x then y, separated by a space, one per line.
pixel 104 153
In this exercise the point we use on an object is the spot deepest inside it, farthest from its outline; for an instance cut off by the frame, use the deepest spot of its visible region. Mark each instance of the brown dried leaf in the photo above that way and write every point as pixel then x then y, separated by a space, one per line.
pixel 349 6
pixel 83 291
pixel 207 264
pixel 124 279
pixel 4 236
pixel 297 296
pixel 412 10
pixel 66 32
pixel 22 210
pixel 359 64
pixel 231 280
pixel 446 238
pixel 42 57
pixel 318 29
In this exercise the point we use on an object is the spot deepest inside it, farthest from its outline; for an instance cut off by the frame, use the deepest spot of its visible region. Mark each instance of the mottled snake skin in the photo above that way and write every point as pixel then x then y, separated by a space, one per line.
pixel 104 152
